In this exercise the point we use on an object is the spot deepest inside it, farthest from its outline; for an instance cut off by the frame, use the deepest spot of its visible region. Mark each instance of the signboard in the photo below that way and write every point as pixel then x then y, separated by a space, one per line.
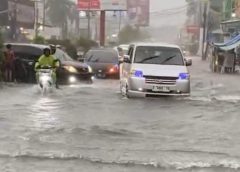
pixel 107 5
pixel 116 5
pixel 3 12
pixel 138 12
pixel 25 14
pixel 84 5
pixel 237 8
pixel 193 29
pixel 24 11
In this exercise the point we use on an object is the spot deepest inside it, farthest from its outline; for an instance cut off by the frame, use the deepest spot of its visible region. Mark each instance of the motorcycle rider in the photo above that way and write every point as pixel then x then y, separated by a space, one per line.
pixel 44 61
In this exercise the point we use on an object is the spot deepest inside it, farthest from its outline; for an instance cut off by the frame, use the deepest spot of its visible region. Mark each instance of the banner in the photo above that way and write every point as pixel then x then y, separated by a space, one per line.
pixel 114 5
pixel 25 13
pixel 107 5
pixel 84 5
pixel 138 12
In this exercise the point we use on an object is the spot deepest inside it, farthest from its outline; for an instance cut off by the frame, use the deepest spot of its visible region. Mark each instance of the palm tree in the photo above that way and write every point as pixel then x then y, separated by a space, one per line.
pixel 60 12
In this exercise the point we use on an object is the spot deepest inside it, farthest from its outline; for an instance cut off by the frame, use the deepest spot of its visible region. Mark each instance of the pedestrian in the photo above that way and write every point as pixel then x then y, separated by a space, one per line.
pixel 9 59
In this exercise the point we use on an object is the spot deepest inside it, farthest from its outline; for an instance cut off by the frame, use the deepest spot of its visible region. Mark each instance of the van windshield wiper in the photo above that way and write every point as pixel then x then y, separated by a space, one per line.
pixel 149 58
pixel 167 59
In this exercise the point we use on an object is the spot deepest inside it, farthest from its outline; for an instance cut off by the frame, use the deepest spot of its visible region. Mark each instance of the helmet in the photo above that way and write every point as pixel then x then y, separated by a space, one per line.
pixel 8 46
pixel 59 46
pixel 46 50
pixel 52 46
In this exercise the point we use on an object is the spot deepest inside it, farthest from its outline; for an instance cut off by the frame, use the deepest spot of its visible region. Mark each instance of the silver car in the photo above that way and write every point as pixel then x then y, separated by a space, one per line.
pixel 154 69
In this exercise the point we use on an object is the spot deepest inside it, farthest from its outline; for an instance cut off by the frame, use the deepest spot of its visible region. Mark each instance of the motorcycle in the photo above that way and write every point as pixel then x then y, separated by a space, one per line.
pixel 45 82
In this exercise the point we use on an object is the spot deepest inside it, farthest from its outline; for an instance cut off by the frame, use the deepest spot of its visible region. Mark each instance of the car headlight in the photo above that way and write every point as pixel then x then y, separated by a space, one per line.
pixel 71 69
pixel 90 69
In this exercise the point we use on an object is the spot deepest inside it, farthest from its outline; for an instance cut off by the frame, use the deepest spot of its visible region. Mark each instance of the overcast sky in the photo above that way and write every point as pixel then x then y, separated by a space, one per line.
pixel 159 5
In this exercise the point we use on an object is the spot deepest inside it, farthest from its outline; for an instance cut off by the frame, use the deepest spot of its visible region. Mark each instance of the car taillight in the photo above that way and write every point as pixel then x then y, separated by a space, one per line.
pixel 113 69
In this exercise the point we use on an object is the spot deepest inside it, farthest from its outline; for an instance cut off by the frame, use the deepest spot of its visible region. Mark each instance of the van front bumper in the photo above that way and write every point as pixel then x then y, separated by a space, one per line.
pixel 139 87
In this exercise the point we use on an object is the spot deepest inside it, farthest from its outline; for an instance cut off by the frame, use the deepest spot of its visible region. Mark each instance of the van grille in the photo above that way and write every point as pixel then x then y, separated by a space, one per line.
pixel 161 80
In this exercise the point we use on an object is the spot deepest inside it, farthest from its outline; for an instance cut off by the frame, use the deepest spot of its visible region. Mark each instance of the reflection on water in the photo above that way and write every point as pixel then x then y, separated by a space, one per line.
pixel 44 113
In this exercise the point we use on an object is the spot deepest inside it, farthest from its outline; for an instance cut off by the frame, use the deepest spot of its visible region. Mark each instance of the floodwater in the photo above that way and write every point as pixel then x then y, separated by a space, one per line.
pixel 92 128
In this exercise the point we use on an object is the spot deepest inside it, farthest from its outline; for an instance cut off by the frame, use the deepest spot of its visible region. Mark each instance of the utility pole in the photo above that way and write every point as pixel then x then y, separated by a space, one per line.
pixel 120 20
pixel 88 18
pixel 36 19
pixel 205 21
pixel 13 22
pixel 102 27
pixel 44 14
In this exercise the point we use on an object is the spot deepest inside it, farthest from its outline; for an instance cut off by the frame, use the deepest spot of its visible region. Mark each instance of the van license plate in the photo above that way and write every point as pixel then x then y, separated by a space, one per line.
pixel 160 89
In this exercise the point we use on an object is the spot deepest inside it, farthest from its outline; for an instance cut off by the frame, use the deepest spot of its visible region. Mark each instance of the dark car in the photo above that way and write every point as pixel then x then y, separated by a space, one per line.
pixel 104 62
pixel 69 71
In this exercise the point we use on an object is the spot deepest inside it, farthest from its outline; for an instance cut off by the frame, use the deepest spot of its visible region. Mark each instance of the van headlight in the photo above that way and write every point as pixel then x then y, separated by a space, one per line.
pixel 137 73
pixel 71 69
pixel 90 69
pixel 184 76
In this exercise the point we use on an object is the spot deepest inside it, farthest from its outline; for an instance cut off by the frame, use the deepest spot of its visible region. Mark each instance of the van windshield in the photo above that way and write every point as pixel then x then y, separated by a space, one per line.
pixel 158 55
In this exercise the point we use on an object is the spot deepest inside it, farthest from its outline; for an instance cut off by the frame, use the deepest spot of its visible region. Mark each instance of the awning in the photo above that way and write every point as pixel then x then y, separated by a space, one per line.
pixel 230 47
pixel 230 42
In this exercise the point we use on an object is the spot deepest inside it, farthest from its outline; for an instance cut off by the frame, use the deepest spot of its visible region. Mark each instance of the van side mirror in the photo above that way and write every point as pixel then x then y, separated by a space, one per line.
pixel 126 59
pixel 188 62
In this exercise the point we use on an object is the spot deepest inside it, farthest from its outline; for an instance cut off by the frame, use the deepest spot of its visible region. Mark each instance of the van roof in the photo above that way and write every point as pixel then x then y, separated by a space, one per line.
pixel 155 45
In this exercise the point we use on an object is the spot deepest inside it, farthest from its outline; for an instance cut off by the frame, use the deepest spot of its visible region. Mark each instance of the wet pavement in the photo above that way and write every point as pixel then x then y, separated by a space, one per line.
pixel 92 128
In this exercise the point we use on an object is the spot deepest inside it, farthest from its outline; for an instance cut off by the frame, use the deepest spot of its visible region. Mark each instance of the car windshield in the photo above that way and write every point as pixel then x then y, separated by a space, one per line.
pixel 158 55
pixel 102 56
pixel 62 56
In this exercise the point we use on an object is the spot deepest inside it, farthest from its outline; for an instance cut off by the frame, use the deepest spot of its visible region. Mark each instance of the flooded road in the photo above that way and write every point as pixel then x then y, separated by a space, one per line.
pixel 92 128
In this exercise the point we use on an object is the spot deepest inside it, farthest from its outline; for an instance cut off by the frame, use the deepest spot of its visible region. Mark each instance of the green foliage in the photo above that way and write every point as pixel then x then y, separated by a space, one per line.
pixel 39 40
pixel 129 34
pixel 86 44
pixel 191 9
pixel 60 11
pixel 67 44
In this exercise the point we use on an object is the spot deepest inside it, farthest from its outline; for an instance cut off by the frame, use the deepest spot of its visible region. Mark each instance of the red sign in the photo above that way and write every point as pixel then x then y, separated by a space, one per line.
pixel 88 5
pixel 237 8
pixel 193 29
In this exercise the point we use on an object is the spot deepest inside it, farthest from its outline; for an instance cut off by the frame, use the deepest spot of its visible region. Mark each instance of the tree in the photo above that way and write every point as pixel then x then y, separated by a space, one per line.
pixel 191 9
pixel 129 34
pixel 67 44
pixel 86 44
pixel 39 40
pixel 60 12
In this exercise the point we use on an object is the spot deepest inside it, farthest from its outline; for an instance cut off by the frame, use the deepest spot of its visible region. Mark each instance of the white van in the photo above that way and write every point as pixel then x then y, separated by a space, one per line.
pixel 154 69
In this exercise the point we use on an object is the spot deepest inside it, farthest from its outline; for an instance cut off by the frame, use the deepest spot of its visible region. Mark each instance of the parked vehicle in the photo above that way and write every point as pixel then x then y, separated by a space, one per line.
pixel 104 62
pixel 70 70
pixel 154 69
